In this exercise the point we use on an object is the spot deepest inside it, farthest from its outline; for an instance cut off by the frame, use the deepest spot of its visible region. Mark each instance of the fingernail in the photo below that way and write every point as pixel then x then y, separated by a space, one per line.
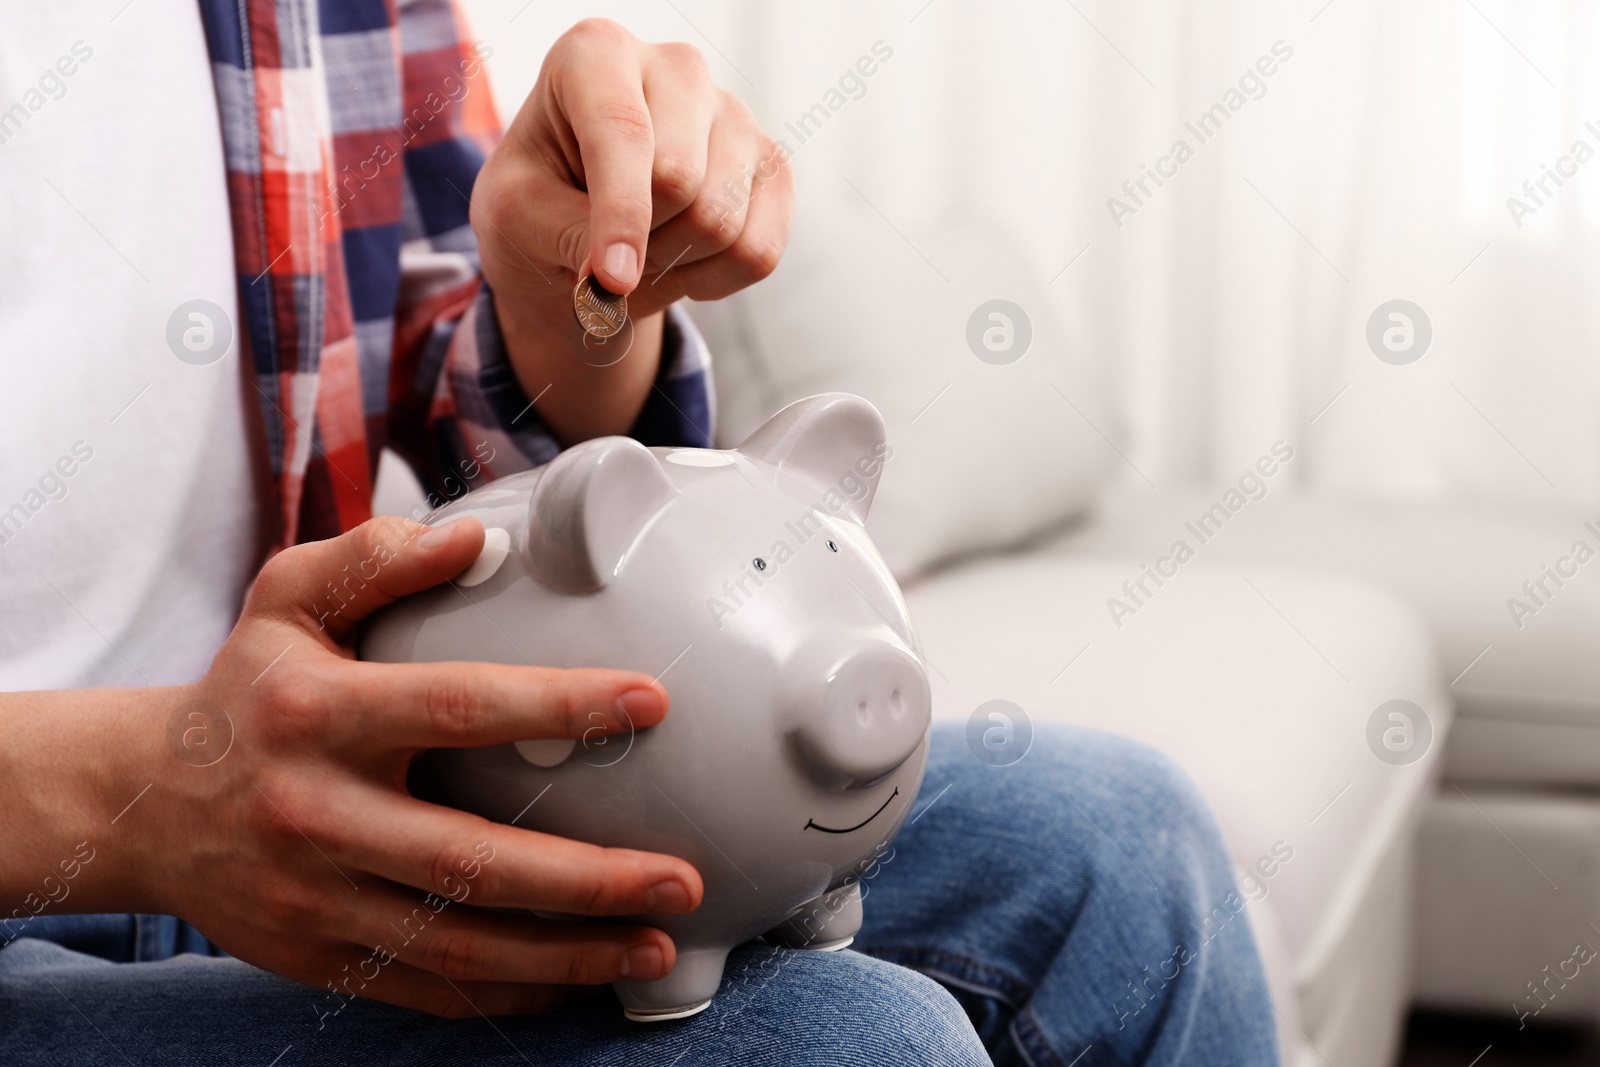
pixel 643 961
pixel 622 263
pixel 642 704
pixel 436 535
pixel 668 897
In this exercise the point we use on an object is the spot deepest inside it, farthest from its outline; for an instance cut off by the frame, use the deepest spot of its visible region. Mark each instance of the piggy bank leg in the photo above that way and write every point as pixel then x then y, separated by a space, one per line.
pixel 826 924
pixel 686 991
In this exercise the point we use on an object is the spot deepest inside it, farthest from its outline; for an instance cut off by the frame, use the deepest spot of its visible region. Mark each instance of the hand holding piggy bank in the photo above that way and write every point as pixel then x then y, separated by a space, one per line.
pixel 745 580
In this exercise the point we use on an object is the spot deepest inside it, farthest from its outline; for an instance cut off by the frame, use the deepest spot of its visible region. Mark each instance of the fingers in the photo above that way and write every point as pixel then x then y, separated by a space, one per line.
pixel 427 847
pixel 388 707
pixel 601 94
pixel 329 586
pixel 468 944
pixel 628 159
pixel 683 105
pixel 360 971
pixel 712 221
pixel 754 252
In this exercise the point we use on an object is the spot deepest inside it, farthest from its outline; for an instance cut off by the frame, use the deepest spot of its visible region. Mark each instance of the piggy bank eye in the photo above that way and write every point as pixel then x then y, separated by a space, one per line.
pixel 832 547
pixel 759 563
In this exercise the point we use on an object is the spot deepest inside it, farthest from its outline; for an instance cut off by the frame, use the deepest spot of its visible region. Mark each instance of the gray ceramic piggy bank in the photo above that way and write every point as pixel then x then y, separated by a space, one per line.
pixel 800 704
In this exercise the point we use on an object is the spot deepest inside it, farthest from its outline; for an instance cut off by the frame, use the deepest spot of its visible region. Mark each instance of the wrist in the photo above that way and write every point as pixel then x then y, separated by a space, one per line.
pixel 73 778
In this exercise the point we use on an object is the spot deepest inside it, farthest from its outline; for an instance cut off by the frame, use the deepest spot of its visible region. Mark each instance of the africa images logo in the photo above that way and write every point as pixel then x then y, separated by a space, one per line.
pixel 999 733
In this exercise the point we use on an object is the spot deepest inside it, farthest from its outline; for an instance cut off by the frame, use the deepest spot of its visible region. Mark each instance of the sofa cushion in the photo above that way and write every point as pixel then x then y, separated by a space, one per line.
pixel 1525 660
pixel 852 307
pixel 1259 683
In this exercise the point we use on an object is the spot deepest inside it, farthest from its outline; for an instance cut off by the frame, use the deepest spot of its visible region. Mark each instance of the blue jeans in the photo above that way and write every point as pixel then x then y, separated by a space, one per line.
pixel 1076 908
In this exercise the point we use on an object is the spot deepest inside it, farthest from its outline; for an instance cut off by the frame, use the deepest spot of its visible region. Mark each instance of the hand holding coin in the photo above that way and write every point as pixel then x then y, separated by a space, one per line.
pixel 629 174
pixel 629 164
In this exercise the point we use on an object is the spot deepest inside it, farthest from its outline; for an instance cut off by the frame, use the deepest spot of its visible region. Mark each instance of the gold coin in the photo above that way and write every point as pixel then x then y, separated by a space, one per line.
pixel 600 312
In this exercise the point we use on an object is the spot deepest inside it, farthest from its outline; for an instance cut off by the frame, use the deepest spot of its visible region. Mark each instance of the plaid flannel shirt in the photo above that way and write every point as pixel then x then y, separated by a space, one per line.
pixel 353 131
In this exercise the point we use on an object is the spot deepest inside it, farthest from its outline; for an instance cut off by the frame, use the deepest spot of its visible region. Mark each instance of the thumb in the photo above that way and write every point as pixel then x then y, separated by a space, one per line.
pixel 329 586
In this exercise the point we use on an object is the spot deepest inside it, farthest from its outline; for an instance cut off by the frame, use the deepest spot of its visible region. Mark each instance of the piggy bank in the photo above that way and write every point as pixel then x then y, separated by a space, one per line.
pixel 745 581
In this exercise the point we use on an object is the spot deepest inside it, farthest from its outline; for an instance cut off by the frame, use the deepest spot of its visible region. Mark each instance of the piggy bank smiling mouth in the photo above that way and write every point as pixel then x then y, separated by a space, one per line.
pixel 812 824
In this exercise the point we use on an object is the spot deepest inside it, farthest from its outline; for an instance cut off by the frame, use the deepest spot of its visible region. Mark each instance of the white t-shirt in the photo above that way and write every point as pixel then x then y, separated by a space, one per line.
pixel 127 507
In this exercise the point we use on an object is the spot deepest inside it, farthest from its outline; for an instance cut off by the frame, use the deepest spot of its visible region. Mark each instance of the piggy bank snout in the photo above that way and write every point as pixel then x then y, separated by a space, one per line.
pixel 857 713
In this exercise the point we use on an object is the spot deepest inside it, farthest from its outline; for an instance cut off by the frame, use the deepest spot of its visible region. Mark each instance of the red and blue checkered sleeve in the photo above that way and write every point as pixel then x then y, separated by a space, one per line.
pixel 456 410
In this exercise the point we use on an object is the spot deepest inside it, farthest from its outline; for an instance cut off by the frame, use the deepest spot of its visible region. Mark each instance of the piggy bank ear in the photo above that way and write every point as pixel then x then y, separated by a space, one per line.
pixel 588 509
pixel 834 441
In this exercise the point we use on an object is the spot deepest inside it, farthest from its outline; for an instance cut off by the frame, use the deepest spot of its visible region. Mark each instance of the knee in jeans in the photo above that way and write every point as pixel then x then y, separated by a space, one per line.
pixel 880 1013
pixel 917 1021
pixel 1129 781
